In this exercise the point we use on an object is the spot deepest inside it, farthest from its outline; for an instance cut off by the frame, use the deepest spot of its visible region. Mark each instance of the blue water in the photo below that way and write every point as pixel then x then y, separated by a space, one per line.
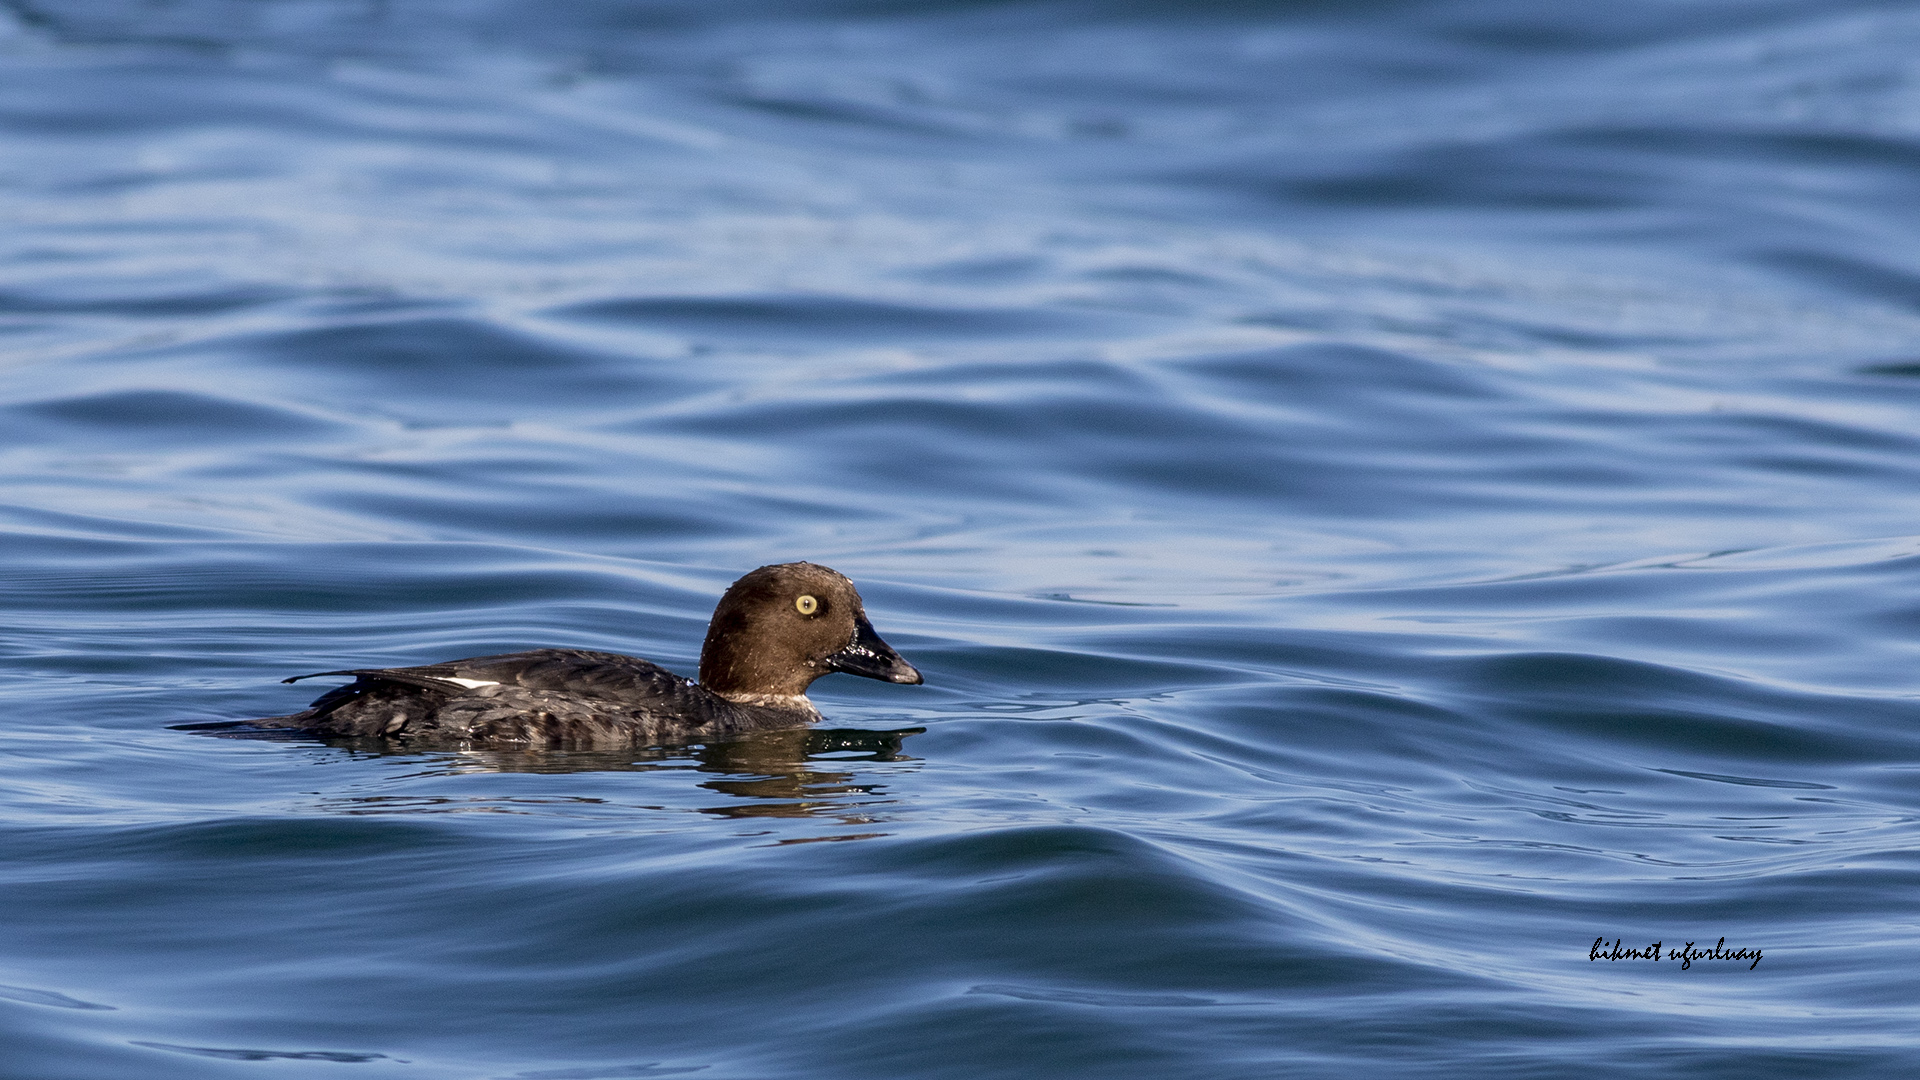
pixel 1384 495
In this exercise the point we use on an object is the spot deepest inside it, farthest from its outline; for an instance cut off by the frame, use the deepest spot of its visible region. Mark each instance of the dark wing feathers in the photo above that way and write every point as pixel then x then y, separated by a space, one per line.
pixel 565 670
pixel 545 696
pixel 410 676
pixel 570 670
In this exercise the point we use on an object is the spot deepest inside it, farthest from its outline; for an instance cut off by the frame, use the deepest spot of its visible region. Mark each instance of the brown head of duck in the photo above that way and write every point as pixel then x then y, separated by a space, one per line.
pixel 780 627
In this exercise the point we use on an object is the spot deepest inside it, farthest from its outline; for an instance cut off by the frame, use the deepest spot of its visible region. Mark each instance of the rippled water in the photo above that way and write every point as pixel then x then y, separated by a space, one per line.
pixel 1385 495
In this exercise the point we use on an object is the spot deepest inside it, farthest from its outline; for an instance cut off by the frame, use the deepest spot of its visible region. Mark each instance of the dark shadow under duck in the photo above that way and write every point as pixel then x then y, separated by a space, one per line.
pixel 774 632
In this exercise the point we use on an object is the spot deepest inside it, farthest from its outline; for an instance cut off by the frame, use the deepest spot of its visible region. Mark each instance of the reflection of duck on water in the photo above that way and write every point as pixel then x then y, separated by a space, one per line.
pixel 774 632
pixel 773 773
pixel 774 768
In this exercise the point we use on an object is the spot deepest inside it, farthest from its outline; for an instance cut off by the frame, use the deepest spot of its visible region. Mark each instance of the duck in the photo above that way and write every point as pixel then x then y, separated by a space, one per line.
pixel 775 631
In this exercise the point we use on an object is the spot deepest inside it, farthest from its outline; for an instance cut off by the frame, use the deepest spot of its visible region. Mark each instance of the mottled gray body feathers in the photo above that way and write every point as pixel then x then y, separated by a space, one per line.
pixel 546 697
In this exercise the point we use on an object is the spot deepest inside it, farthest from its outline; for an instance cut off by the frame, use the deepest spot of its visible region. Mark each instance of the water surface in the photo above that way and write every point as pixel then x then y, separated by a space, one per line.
pixel 1385 495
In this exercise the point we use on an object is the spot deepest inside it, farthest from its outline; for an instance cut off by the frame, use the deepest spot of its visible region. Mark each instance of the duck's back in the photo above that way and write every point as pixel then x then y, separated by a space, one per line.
pixel 542 697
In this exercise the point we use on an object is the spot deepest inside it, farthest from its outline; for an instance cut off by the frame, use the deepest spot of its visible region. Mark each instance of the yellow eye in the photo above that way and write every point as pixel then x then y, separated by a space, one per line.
pixel 806 605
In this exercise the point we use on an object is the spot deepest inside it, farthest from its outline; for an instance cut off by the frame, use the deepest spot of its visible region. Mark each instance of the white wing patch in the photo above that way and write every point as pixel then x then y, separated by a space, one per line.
pixel 471 684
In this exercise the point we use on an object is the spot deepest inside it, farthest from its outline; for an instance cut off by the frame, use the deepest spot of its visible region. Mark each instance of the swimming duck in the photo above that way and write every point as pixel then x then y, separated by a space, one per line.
pixel 775 631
